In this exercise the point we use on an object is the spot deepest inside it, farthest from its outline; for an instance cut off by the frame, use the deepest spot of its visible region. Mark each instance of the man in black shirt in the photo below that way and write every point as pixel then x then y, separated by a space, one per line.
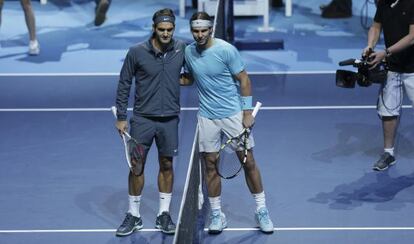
pixel 396 19
pixel 156 65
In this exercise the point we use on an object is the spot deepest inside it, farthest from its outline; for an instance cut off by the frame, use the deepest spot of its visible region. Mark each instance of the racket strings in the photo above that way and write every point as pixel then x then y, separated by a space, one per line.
pixel 137 156
pixel 232 155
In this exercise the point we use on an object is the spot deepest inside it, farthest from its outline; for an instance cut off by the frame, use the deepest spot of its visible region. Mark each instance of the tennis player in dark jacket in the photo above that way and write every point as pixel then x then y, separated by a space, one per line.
pixel 156 65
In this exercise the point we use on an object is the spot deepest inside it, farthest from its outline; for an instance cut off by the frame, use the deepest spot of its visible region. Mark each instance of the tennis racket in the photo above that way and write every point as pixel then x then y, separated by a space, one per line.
pixel 134 151
pixel 233 152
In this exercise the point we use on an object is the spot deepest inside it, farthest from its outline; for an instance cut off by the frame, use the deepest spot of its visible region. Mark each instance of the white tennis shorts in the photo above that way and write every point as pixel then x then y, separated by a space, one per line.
pixel 212 130
pixel 391 93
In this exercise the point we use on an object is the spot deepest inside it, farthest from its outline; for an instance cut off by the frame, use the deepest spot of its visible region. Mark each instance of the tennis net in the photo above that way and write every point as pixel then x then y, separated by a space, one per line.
pixel 189 224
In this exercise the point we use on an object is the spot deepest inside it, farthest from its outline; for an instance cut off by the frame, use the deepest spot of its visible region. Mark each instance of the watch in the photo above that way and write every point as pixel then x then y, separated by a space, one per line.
pixel 387 52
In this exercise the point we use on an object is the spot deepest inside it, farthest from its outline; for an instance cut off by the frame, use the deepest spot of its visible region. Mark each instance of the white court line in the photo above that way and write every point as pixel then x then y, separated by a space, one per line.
pixel 227 229
pixel 191 108
pixel 323 229
pixel 56 74
pixel 70 109
pixel 299 72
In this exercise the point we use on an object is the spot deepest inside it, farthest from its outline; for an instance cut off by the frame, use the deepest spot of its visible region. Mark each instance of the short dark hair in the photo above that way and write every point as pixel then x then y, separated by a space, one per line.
pixel 200 15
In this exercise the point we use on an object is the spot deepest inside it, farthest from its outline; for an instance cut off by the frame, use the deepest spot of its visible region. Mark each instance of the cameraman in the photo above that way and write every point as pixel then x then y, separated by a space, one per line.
pixel 396 19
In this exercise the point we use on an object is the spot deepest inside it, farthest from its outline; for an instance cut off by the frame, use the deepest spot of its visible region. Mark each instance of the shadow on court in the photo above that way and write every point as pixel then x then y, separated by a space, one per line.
pixel 356 138
pixel 379 188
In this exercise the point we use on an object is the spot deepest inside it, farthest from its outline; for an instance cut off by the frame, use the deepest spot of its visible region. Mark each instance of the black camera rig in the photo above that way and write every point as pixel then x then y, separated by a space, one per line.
pixel 365 76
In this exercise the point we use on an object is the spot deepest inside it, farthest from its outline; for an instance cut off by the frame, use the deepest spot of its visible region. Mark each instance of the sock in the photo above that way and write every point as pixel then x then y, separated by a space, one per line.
pixel 260 200
pixel 389 150
pixel 134 203
pixel 215 203
pixel 165 200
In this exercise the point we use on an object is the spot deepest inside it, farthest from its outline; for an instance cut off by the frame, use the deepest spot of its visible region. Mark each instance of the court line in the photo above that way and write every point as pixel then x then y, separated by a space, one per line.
pixel 192 108
pixel 299 72
pixel 227 229
pixel 57 74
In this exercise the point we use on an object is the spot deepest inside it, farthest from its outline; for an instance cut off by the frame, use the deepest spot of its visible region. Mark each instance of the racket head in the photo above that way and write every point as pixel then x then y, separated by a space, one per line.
pixel 232 155
pixel 136 153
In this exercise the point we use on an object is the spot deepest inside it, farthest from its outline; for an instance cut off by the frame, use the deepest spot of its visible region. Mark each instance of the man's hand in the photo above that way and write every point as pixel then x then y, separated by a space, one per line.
pixel 367 51
pixel 248 119
pixel 122 126
pixel 376 58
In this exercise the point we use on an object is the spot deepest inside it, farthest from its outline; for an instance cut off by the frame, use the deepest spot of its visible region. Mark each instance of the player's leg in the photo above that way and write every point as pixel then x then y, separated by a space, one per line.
pixel 102 7
pixel 167 143
pixel 233 126
pixel 143 131
pixel 388 108
pixel 252 173
pixel 34 48
pixel 209 144
pixel 254 183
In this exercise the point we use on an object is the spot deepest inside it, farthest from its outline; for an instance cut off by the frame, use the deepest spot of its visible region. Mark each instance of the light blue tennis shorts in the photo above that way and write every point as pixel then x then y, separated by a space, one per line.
pixel 211 131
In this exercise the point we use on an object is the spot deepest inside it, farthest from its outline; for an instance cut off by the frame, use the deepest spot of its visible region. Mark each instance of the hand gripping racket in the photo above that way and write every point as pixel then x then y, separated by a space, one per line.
pixel 233 152
pixel 134 151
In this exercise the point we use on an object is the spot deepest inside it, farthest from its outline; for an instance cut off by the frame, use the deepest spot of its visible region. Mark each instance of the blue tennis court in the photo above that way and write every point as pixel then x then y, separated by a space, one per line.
pixel 63 174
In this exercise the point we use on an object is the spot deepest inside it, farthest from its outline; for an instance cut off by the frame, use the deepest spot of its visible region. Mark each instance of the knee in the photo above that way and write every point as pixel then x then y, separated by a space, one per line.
pixel 250 164
pixel 165 165
pixel 210 164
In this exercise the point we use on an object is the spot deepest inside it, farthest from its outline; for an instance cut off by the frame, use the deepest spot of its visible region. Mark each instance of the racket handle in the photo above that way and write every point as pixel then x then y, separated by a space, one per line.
pixel 256 108
pixel 113 110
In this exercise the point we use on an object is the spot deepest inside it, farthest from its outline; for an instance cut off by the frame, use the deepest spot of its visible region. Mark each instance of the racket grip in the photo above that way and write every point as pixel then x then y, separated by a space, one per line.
pixel 125 133
pixel 113 110
pixel 256 108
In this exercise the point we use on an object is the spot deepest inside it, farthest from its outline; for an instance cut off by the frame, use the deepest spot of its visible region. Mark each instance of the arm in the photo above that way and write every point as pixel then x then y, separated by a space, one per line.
pixel 186 79
pixel 399 46
pixel 123 91
pixel 373 37
pixel 404 43
pixel 245 91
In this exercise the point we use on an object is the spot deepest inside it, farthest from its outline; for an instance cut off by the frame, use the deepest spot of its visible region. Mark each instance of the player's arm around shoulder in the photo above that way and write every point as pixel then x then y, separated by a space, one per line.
pixel 186 79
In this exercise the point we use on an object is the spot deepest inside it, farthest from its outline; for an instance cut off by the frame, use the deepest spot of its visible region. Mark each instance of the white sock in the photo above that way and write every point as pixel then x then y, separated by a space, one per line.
pixel 260 200
pixel 215 203
pixel 165 200
pixel 389 150
pixel 134 203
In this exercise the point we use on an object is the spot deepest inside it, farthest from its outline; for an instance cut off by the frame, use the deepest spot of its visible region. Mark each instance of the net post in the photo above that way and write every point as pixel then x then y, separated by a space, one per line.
pixel 288 8
pixel 182 8
pixel 266 27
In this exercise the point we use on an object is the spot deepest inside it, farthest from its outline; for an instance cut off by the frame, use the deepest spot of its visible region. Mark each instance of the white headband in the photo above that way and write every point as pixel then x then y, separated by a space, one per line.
pixel 200 23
